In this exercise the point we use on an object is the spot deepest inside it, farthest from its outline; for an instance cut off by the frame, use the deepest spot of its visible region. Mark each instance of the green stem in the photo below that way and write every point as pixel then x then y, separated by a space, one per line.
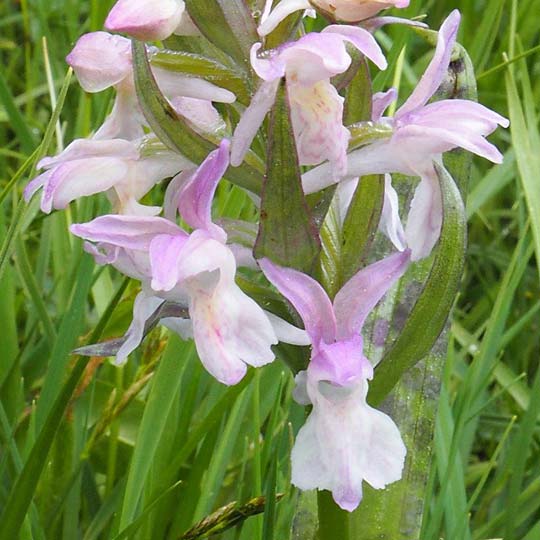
pixel 334 522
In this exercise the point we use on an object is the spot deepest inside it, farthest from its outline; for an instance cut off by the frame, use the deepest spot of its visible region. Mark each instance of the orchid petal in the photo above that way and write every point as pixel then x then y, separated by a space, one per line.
pixel 381 102
pixel 344 442
pixel 251 120
pixel 143 308
pixel 195 201
pixel 308 298
pixel 375 23
pixel 364 290
pixel 128 232
pixel 279 13
pixel 146 20
pixel 436 71
pixel 317 119
pixel 173 192
pixel 174 84
pixel 165 255
pixel 390 223
pixel 73 179
pixel 362 40
pixel 100 60
pixel 425 217
pixel 230 331
pixel 286 332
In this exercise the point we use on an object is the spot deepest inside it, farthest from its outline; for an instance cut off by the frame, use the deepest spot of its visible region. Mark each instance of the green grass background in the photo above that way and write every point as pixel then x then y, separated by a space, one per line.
pixel 201 445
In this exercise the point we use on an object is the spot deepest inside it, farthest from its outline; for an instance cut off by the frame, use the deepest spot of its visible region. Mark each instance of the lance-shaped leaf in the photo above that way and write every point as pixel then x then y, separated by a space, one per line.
pixel 173 130
pixel 206 68
pixel 228 24
pixel 287 232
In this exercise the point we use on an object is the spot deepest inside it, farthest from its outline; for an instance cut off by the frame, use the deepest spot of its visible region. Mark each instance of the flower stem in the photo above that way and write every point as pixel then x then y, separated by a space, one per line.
pixel 333 521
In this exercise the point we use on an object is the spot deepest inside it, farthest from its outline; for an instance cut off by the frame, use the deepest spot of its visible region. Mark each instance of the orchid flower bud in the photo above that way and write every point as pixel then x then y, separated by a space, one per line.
pixel 146 20
pixel 355 10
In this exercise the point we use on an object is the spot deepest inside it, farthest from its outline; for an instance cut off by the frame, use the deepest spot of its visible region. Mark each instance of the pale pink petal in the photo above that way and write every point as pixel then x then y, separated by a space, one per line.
pixel 425 217
pixel 195 201
pixel 173 192
pixel 143 308
pixel 80 178
pixel 230 330
pixel 89 148
pixel 436 71
pixel 344 193
pixel 165 256
pixel 129 232
pixel 100 60
pixel 251 120
pixel 381 102
pixel 280 13
pixel 286 332
pixel 356 10
pixel 375 23
pixel 126 119
pixel 174 84
pixel 344 442
pixel 317 119
pixel 200 113
pixel 390 223
pixel 362 40
pixel 271 66
pixel 308 298
pixel 146 20
pixel 364 290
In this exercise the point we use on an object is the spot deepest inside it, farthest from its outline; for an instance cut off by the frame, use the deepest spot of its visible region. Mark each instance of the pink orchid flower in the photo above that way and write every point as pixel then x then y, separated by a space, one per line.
pixel 101 60
pixel 88 166
pixel 350 11
pixel 316 107
pixel 422 133
pixel 344 441
pixel 230 330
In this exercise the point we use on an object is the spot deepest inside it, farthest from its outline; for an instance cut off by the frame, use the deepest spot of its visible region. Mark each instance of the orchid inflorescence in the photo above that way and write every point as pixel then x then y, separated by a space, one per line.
pixel 344 441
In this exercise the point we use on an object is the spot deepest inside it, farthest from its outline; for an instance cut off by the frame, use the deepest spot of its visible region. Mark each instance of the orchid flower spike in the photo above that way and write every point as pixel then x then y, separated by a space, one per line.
pixel 150 20
pixel 116 167
pixel 422 132
pixel 230 329
pixel 101 60
pixel 344 441
pixel 350 11
pixel 316 107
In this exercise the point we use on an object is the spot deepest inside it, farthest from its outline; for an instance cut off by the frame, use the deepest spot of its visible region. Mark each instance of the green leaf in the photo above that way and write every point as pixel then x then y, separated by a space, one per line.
pixel 430 312
pixel 164 392
pixel 206 68
pixel 287 232
pixel 228 24
pixel 174 131
pixel 361 224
